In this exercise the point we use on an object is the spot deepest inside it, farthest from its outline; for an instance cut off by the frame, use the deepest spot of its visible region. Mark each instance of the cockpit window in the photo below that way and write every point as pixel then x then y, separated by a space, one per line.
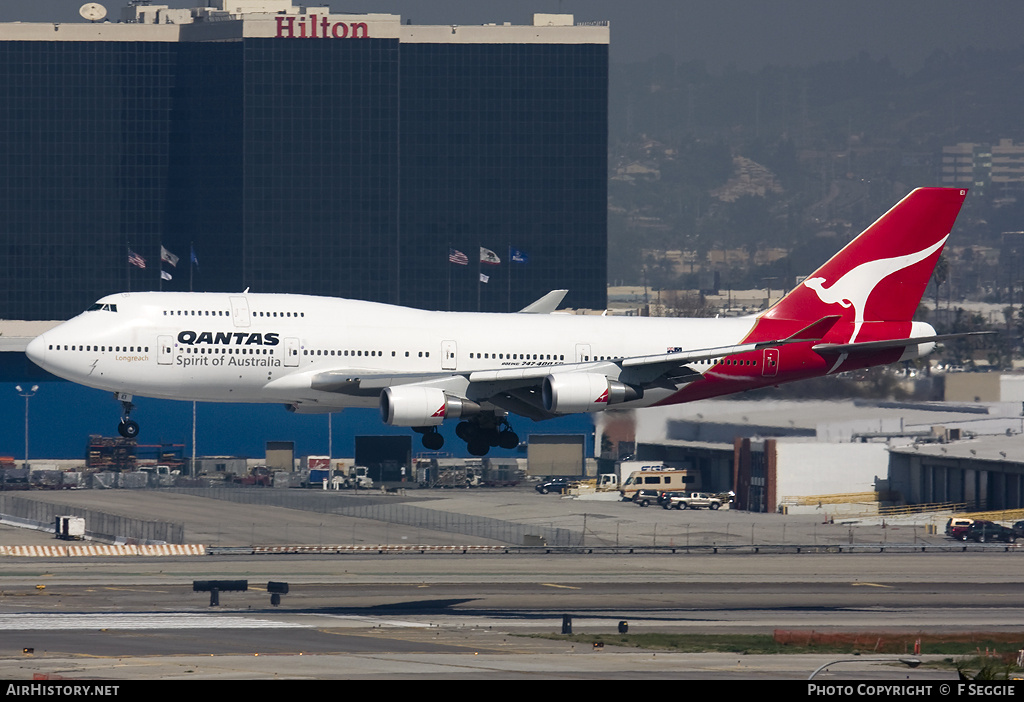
pixel 102 306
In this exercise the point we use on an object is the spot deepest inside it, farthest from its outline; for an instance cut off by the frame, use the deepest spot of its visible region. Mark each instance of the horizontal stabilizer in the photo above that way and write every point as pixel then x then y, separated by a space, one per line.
pixel 815 332
pixel 892 343
pixel 545 305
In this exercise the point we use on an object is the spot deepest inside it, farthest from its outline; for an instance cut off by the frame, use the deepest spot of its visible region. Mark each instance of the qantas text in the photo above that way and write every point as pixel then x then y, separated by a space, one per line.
pixel 237 338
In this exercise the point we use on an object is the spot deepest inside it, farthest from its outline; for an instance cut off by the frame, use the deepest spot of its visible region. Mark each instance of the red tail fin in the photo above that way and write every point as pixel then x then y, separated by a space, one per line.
pixel 881 275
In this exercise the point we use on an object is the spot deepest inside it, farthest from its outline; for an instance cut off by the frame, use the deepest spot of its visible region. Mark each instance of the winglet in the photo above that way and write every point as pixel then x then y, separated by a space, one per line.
pixel 545 305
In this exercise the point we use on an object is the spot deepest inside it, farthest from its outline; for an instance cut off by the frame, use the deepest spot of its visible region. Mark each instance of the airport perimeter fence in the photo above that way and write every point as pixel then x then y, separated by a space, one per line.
pixel 401 513
pixel 98 525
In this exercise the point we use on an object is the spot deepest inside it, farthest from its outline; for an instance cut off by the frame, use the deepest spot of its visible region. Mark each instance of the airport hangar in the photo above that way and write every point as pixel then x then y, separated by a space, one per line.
pixel 297 150
pixel 773 453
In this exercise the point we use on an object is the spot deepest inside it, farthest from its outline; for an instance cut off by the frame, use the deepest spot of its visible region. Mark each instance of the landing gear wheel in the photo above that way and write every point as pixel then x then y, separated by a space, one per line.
pixel 478 447
pixel 433 440
pixel 465 431
pixel 128 429
pixel 508 439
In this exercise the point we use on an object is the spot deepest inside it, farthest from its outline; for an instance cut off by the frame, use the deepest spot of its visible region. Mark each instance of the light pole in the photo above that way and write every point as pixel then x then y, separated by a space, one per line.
pixel 26 394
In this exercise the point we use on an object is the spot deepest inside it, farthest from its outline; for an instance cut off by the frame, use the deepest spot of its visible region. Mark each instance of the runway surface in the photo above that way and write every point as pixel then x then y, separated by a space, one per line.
pixel 458 616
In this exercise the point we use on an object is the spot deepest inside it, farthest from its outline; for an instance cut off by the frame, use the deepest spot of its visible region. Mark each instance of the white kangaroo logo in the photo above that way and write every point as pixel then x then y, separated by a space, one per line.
pixel 855 287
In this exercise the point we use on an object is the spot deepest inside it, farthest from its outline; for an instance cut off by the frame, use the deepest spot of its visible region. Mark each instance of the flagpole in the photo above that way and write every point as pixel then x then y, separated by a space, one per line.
pixel 508 306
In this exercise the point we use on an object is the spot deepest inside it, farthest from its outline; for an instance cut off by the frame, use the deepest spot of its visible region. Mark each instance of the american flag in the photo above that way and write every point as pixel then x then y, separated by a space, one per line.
pixel 135 259
pixel 456 256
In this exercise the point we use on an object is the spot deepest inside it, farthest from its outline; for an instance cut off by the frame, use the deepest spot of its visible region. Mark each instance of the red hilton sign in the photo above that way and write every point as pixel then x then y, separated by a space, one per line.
pixel 302 28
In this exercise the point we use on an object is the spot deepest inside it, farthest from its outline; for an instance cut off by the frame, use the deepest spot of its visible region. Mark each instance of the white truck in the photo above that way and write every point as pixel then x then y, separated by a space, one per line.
pixel 359 478
pixel 693 500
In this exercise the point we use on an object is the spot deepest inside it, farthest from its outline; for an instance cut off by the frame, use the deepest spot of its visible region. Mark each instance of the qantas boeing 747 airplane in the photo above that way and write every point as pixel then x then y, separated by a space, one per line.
pixel 421 368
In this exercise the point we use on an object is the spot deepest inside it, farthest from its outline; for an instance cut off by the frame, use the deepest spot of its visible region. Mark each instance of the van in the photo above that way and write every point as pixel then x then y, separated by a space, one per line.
pixel 667 480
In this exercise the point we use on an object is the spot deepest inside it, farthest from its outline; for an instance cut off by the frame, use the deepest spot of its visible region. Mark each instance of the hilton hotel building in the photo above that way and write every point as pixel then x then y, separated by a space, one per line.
pixel 298 150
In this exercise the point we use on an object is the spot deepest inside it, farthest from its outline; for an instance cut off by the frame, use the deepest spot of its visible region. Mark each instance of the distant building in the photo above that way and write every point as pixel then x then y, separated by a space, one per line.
pixel 1007 169
pixel 298 150
pixel 996 170
pixel 966 165
pixel 775 455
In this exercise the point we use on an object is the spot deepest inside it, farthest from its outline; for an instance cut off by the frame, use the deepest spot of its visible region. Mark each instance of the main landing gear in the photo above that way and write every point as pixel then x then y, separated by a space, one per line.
pixel 484 431
pixel 127 428
pixel 480 433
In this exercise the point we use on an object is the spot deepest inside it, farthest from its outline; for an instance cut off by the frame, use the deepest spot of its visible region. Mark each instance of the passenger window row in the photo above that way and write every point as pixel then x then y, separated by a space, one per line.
pixel 227 350
pixel 727 362
pixel 519 356
pixel 210 313
pixel 354 352
pixel 196 313
pixel 101 349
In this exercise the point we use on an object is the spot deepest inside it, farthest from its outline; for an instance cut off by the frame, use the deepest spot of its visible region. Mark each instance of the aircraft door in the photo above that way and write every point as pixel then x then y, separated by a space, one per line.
pixel 165 353
pixel 291 352
pixel 240 312
pixel 771 362
pixel 449 355
pixel 582 353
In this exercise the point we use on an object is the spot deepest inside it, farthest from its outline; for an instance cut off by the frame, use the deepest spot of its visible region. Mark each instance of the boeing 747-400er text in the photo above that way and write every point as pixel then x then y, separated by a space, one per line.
pixel 421 368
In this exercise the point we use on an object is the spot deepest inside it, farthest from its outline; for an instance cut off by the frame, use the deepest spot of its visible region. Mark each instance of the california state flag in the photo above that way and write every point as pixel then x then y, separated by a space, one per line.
pixel 489 257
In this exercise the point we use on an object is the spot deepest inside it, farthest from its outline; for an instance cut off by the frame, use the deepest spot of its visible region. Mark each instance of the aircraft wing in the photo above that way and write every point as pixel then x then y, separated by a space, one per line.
pixel 517 389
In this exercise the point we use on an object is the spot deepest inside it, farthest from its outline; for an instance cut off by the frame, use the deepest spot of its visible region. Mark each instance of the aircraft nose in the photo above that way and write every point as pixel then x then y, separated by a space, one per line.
pixel 36 350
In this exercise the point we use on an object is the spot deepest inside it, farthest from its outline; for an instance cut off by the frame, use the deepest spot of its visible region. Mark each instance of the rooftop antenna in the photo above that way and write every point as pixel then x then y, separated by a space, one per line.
pixel 92 11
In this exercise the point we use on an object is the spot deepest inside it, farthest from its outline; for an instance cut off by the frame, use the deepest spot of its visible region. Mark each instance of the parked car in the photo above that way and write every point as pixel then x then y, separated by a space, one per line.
pixel 956 528
pixel 664 498
pixel 643 498
pixel 983 531
pixel 1018 529
pixel 553 485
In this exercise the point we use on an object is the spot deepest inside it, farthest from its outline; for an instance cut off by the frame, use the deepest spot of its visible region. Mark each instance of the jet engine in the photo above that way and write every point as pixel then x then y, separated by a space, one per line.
pixel 567 393
pixel 413 406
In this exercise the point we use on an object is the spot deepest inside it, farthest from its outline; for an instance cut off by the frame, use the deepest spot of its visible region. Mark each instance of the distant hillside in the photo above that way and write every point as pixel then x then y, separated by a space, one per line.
pixel 795 158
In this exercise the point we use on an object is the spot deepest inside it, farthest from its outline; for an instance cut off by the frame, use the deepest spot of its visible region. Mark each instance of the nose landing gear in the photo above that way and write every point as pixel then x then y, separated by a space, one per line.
pixel 127 428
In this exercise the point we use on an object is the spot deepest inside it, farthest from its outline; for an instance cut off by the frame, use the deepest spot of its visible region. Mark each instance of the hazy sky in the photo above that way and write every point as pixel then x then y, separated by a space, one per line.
pixel 747 33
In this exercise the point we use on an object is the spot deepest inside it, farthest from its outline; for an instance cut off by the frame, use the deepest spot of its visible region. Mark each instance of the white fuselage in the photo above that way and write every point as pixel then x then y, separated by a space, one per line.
pixel 248 347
